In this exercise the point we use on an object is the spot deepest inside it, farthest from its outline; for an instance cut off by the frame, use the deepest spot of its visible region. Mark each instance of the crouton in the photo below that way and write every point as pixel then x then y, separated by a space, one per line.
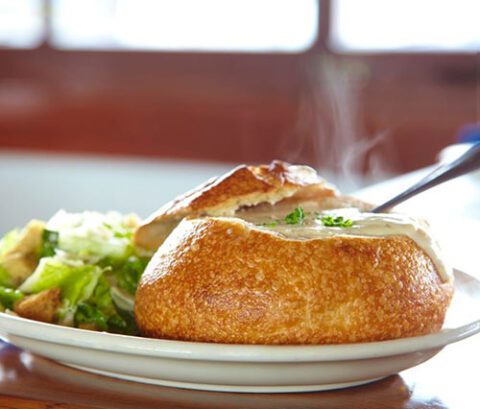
pixel 21 260
pixel 40 307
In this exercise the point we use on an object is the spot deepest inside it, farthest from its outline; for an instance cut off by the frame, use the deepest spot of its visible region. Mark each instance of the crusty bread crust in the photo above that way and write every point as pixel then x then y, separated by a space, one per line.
pixel 224 195
pixel 224 280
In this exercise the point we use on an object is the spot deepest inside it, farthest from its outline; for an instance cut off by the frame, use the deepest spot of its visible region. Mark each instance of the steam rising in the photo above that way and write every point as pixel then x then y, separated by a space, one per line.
pixel 330 133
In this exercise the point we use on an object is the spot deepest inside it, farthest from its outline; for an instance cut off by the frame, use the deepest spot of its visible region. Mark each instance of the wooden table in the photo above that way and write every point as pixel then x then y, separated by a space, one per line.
pixel 449 380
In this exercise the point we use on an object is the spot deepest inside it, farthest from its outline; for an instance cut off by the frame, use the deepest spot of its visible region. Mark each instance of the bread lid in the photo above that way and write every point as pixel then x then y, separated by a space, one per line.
pixel 243 187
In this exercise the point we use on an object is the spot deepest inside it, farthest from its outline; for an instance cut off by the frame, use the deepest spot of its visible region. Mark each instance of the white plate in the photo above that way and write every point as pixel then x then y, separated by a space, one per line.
pixel 244 368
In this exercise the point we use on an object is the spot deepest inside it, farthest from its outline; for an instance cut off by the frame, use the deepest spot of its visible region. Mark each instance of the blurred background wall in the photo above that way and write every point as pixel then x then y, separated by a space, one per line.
pixel 356 88
pixel 366 85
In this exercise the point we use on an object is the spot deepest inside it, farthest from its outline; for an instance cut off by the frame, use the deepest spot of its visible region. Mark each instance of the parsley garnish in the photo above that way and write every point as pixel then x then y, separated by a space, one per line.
pixel 296 217
pixel 339 221
pixel 270 224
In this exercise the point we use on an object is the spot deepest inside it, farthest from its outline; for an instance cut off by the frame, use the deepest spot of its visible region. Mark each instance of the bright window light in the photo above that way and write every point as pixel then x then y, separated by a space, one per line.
pixel 405 25
pixel 196 25
pixel 21 23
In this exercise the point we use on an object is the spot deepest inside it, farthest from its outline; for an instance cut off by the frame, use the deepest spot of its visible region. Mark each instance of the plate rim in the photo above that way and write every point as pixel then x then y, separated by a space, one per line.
pixel 173 349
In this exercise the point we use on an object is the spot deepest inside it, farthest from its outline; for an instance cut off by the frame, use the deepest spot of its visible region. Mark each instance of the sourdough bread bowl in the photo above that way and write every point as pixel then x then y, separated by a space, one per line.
pixel 282 267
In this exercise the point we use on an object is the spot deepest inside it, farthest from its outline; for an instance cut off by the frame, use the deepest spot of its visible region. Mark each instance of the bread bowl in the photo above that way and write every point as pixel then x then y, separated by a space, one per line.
pixel 336 274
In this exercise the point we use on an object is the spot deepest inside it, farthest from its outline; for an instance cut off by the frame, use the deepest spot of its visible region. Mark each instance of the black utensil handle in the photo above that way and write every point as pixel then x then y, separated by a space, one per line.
pixel 468 162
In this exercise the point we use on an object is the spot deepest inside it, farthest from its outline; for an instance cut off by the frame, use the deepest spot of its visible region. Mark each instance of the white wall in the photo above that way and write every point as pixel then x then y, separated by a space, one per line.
pixel 37 185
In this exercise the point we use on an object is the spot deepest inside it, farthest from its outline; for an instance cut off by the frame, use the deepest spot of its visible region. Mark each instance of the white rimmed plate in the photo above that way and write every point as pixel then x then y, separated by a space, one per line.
pixel 244 368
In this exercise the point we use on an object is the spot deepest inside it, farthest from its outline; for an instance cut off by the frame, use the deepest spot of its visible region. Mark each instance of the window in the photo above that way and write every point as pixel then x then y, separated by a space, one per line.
pixel 21 23
pixel 405 25
pixel 190 25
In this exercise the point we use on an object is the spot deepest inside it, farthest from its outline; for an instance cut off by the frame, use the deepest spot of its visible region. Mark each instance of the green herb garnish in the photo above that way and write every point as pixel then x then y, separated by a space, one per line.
pixel 49 243
pixel 339 221
pixel 296 217
pixel 270 224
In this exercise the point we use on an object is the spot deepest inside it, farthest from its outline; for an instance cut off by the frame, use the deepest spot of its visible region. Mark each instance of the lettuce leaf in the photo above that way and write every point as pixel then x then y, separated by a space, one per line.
pixel 101 312
pixel 127 271
pixel 130 272
pixel 6 243
pixel 49 243
pixel 102 298
pixel 77 282
pixel 9 241
pixel 5 278
pixel 93 316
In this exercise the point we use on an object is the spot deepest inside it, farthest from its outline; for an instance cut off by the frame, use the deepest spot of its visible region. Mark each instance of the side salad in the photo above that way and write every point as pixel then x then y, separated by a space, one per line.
pixel 77 269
